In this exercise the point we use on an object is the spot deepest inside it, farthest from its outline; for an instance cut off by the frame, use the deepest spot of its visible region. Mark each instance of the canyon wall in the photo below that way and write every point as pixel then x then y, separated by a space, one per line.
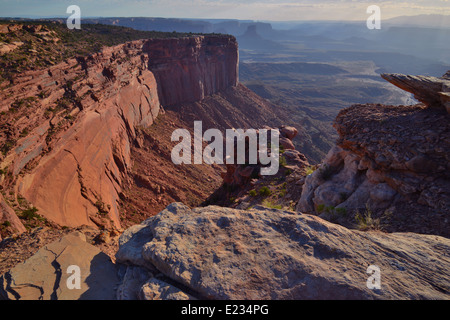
pixel 189 69
pixel 71 164
pixel 82 115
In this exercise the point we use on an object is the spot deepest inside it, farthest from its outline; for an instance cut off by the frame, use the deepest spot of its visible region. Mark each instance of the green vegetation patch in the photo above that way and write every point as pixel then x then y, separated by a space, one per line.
pixel 55 43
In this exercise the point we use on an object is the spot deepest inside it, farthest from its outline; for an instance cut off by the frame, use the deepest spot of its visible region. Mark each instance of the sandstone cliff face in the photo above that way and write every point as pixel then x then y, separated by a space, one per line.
pixel 71 164
pixel 69 128
pixel 392 160
pixel 8 217
pixel 189 69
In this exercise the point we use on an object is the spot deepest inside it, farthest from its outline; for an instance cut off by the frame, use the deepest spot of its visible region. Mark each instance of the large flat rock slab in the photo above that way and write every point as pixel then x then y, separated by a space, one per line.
pixel 223 253
pixel 45 275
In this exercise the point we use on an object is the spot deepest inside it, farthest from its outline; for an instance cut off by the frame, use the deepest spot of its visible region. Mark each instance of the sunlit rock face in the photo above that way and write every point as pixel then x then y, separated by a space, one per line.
pixel 83 118
pixel 188 69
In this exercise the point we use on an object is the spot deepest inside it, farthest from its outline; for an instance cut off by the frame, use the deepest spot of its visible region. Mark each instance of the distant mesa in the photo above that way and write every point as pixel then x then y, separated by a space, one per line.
pixel 252 40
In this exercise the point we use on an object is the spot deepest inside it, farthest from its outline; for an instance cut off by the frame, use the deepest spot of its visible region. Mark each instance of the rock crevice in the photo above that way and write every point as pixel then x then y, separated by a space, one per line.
pixel 223 253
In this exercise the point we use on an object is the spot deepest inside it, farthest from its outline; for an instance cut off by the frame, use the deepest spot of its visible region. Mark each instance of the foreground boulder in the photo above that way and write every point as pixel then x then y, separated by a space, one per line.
pixel 223 253
pixel 47 276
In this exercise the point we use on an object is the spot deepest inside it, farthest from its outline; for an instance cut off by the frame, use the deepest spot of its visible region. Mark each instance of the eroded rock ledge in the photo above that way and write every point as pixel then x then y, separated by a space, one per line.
pixel 432 91
pixel 392 159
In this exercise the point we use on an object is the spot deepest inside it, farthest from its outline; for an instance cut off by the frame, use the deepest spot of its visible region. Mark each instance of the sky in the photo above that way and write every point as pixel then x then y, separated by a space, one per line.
pixel 263 10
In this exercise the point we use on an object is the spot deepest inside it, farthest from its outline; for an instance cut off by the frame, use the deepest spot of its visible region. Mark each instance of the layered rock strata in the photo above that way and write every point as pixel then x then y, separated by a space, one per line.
pixel 389 159
pixel 68 153
pixel 71 163
pixel 189 69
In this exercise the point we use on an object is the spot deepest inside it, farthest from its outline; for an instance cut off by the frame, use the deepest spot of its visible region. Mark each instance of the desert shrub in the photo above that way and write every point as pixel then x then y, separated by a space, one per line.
pixel 310 170
pixel 101 207
pixel 320 208
pixel 7 146
pixel 30 214
pixel 265 191
pixel 24 132
pixel 365 221
pixel 6 223
pixel 270 204
pixel 283 190
pixel 43 94
pixel 283 162
pixel 332 211
pixel 341 211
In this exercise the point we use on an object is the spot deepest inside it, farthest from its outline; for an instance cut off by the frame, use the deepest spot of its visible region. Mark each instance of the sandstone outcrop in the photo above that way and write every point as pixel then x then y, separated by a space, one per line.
pixel 432 91
pixel 46 275
pixel 238 175
pixel 76 151
pixel 189 69
pixel 67 145
pixel 391 160
pixel 223 253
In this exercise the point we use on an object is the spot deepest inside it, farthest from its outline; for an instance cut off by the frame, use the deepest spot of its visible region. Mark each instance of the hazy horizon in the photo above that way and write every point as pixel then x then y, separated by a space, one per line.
pixel 262 10
pixel 219 19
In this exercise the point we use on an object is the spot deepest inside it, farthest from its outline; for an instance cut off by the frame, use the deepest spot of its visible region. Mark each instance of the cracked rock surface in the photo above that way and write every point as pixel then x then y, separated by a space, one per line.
pixel 394 160
pixel 223 253
pixel 45 275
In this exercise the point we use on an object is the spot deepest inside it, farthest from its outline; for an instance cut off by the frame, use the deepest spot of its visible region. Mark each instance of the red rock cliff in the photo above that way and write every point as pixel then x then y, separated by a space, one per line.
pixel 189 69
pixel 71 126
pixel 70 166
